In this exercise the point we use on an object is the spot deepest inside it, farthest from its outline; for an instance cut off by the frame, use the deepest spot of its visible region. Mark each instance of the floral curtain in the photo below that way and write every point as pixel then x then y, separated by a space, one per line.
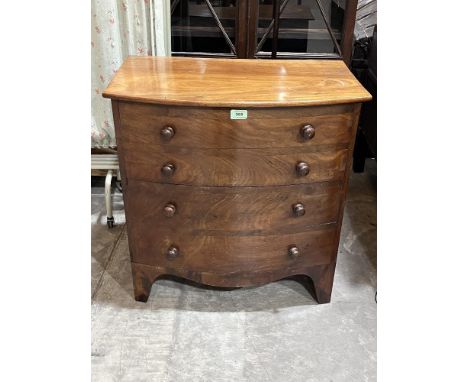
pixel 119 28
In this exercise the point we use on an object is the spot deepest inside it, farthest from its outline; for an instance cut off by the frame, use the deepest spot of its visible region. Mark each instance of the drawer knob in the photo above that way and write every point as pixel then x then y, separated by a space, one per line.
pixel 293 251
pixel 298 209
pixel 172 252
pixel 169 210
pixel 302 168
pixel 167 132
pixel 307 131
pixel 168 169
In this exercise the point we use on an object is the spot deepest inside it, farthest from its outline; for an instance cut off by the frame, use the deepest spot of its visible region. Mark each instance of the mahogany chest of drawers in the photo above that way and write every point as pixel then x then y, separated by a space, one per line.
pixel 234 172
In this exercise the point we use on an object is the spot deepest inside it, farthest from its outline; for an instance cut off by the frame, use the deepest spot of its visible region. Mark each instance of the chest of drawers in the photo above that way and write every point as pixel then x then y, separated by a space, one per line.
pixel 234 172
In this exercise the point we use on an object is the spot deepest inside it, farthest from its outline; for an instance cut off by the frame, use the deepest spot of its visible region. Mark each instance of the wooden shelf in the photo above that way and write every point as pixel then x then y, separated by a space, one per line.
pixel 293 12
pixel 284 33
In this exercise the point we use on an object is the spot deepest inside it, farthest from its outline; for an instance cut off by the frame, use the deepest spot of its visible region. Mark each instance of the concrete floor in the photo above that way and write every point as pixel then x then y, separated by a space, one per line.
pixel 275 332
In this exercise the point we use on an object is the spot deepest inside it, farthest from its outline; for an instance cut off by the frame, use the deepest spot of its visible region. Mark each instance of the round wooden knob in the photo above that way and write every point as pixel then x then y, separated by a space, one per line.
pixel 307 131
pixel 293 251
pixel 169 210
pixel 168 169
pixel 167 132
pixel 302 168
pixel 298 209
pixel 172 252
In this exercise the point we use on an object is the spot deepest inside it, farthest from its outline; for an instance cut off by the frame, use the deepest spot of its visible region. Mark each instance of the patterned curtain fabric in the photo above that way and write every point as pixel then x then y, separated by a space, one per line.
pixel 119 28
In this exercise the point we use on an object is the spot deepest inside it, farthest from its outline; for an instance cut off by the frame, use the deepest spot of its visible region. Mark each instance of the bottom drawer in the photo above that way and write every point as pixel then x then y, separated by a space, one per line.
pixel 230 254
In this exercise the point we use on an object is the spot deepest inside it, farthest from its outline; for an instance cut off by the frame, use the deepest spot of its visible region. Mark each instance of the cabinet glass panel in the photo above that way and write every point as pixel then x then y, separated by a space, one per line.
pixel 203 26
pixel 305 27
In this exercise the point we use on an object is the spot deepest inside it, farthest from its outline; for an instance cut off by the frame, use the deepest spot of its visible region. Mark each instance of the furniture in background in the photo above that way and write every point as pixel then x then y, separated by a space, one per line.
pixel 234 172
pixel 263 28
pixel 109 163
pixel 366 19
pixel 364 67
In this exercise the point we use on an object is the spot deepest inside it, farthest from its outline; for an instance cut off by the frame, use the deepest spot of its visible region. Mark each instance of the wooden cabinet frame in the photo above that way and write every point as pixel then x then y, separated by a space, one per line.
pixel 246 33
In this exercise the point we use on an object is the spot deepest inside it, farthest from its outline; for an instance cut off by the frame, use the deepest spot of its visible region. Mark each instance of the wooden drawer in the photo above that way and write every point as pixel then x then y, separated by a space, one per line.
pixel 232 210
pixel 225 254
pixel 234 167
pixel 213 128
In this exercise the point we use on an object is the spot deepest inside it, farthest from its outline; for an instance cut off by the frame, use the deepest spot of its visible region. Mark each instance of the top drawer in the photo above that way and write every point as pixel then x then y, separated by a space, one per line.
pixel 142 124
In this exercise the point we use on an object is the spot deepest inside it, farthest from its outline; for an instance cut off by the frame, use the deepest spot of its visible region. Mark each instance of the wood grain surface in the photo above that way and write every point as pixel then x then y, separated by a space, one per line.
pixel 318 278
pixel 213 128
pixel 225 216
pixel 233 167
pixel 227 253
pixel 235 83
pixel 234 211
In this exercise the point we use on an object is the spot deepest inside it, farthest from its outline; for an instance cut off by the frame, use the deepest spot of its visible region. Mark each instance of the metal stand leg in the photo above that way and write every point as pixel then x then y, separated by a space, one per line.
pixel 108 197
pixel 118 184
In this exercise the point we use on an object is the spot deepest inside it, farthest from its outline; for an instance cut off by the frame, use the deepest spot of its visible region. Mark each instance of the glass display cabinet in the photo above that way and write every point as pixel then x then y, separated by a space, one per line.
pixel 263 28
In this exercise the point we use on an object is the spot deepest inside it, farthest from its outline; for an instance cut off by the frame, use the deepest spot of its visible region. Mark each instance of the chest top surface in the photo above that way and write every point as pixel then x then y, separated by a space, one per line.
pixel 214 82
